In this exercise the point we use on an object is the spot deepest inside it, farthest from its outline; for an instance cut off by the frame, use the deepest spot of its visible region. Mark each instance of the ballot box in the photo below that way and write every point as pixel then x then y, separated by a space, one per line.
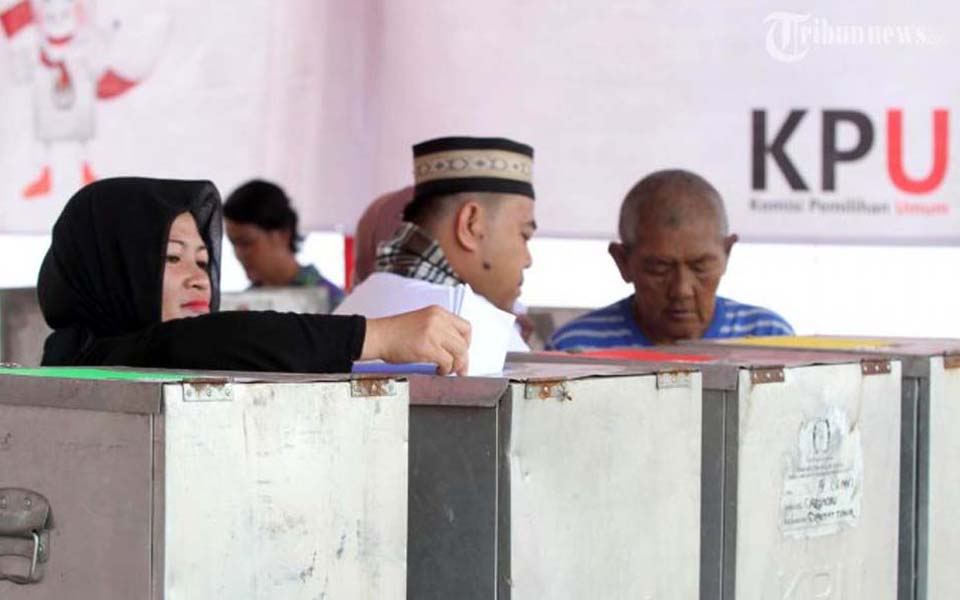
pixel 307 299
pixel 931 404
pixel 22 328
pixel 804 493
pixel 150 485
pixel 556 481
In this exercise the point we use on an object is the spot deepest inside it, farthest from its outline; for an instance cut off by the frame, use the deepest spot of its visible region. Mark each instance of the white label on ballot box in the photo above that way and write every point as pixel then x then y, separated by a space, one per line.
pixel 823 480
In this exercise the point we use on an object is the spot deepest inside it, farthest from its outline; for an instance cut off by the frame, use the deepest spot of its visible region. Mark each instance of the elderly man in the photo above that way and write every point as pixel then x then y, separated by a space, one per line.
pixel 674 250
pixel 469 222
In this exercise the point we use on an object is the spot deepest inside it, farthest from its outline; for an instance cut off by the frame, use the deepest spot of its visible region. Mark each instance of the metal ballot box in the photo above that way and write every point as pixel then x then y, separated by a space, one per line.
pixel 555 481
pixel 150 485
pixel 804 498
pixel 931 401
pixel 22 328
pixel 307 299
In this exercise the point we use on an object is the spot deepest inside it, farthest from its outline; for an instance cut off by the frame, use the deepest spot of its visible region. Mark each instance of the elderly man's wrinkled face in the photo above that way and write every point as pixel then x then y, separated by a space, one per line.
pixel 675 271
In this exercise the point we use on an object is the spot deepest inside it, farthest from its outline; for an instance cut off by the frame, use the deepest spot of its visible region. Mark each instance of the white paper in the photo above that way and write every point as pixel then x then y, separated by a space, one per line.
pixel 823 482
pixel 492 330
pixel 491 333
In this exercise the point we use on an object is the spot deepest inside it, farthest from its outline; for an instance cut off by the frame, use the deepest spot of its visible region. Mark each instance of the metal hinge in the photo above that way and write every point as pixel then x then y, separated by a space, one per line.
pixel 372 388
pixel 951 361
pixel 760 375
pixel 207 390
pixel 673 379
pixel 25 524
pixel 875 366
pixel 546 390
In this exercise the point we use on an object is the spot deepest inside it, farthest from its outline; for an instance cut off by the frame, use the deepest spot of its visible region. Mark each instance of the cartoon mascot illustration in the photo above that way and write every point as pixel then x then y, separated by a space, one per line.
pixel 73 61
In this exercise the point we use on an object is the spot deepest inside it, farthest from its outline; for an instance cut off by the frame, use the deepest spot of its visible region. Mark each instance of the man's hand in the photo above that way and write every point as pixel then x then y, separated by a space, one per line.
pixel 427 335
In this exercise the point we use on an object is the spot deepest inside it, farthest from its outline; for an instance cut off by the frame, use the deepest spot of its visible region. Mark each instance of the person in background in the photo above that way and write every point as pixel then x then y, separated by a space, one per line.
pixel 470 220
pixel 132 278
pixel 378 224
pixel 674 248
pixel 262 226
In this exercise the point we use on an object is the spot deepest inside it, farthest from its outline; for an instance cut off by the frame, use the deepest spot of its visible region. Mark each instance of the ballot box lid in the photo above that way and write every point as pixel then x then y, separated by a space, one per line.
pixel 718 364
pixel 129 390
pixel 913 352
pixel 487 391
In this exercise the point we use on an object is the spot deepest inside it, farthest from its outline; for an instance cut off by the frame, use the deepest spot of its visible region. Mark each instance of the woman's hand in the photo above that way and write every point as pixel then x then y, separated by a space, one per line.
pixel 430 334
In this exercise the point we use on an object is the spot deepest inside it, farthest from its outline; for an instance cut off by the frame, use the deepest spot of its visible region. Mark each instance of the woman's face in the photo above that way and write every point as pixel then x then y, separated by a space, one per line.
pixel 186 282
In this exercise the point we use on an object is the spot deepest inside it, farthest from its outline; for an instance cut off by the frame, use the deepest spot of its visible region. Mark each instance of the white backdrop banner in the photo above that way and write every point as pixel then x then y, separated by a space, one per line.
pixel 833 122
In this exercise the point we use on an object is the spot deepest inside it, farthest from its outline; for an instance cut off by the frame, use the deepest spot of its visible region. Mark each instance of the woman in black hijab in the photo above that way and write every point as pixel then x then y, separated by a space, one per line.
pixel 126 266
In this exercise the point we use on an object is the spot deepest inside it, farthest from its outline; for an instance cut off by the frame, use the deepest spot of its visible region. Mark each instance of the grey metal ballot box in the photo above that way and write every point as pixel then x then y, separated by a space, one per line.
pixel 931 401
pixel 306 299
pixel 556 481
pixel 150 485
pixel 22 328
pixel 801 485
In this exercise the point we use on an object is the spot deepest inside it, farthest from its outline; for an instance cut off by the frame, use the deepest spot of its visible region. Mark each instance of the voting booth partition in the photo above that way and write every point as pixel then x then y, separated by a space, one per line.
pixel 22 328
pixel 801 481
pixel 931 394
pixel 307 299
pixel 122 484
pixel 545 320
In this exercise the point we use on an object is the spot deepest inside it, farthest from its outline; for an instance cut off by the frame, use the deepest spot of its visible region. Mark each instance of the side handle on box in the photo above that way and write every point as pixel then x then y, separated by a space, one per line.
pixel 25 523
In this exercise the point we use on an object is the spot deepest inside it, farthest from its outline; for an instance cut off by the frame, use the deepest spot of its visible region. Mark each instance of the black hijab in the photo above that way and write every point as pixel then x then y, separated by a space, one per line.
pixel 103 274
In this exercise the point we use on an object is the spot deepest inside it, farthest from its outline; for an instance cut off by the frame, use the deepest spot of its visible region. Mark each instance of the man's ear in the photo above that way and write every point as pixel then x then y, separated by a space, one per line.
pixel 621 256
pixel 728 243
pixel 471 225
pixel 279 238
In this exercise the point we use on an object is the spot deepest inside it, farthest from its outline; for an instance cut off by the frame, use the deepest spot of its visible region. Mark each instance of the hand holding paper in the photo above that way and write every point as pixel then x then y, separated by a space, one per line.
pixel 430 334
pixel 385 294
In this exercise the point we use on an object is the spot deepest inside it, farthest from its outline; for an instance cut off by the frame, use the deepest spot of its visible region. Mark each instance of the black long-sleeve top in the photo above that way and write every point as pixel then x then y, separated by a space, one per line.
pixel 248 341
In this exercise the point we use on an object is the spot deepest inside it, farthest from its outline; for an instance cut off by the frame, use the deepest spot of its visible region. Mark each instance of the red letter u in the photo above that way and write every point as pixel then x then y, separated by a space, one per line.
pixel 895 153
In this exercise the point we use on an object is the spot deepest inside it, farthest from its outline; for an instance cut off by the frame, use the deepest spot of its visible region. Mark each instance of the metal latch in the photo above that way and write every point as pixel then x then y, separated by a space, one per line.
pixel 673 379
pixel 760 375
pixel 874 366
pixel 372 387
pixel 207 390
pixel 951 361
pixel 546 390
pixel 25 523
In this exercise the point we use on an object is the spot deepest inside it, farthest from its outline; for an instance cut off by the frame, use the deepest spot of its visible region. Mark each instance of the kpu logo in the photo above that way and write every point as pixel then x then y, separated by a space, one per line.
pixel 768 147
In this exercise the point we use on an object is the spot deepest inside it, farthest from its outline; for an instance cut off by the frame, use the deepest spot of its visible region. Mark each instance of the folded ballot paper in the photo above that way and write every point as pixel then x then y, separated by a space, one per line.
pixel 386 294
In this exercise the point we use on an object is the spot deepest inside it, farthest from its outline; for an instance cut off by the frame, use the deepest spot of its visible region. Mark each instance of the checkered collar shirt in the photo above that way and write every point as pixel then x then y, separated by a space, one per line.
pixel 414 254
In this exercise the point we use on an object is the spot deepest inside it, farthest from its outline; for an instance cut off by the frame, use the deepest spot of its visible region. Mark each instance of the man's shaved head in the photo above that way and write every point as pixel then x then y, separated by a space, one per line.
pixel 674 250
pixel 670 198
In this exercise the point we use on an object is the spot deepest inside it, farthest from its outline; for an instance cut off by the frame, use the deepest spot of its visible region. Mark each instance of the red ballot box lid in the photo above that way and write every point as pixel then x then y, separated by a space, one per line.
pixel 645 355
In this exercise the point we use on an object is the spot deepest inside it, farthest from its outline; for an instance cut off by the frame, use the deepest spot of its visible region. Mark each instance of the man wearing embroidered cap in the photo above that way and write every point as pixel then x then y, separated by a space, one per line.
pixel 470 219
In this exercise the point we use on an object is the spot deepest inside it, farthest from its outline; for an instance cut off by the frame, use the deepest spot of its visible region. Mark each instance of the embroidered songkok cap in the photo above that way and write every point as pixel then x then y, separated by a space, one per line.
pixel 451 165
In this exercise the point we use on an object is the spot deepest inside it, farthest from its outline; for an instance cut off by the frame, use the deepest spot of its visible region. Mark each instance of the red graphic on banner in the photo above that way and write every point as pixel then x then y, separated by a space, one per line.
pixel 67 85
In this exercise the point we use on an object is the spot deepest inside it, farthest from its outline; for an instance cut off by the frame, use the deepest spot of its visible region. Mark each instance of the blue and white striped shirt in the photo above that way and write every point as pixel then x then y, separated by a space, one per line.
pixel 614 326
